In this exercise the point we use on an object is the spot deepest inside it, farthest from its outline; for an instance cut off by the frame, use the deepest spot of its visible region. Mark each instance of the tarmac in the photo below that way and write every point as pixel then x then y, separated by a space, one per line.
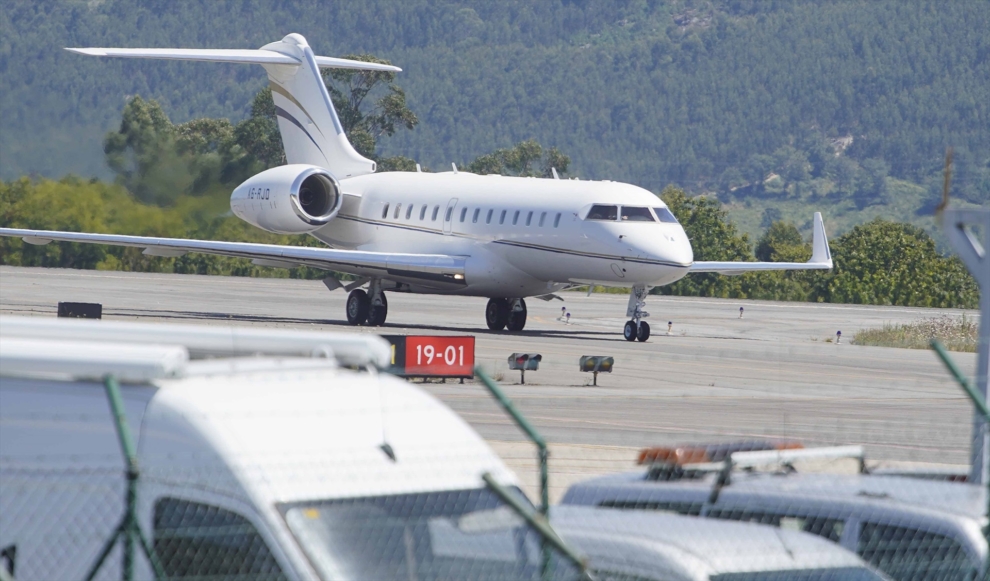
pixel 775 372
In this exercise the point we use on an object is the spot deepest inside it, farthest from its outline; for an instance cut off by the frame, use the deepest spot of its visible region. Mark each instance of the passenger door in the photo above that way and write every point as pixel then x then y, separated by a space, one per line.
pixel 448 216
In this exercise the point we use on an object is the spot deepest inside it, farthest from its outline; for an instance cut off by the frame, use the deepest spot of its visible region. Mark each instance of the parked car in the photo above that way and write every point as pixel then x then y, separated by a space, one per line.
pixel 909 528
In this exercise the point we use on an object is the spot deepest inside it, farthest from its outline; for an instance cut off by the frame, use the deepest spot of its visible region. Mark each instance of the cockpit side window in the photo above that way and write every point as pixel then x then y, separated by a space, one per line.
pixel 603 212
pixel 665 215
pixel 634 214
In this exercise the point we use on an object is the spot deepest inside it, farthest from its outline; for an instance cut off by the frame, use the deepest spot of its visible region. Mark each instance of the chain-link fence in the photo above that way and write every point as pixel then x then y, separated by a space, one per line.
pixel 281 471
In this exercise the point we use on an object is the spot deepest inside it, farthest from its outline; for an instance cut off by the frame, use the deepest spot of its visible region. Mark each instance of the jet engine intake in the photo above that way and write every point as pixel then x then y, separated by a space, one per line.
pixel 289 199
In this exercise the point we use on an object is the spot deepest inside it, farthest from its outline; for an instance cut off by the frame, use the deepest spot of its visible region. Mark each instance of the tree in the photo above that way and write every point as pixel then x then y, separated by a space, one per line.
pixel 781 242
pixel 520 161
pixel 713 238
pixel 365 124
pixel 888 263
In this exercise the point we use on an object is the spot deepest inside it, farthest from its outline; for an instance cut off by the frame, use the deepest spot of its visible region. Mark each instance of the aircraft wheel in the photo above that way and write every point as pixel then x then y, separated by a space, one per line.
pixel 629 331
pixel 377 314
pixel 497 314
pixel 643 333
pixel 358 305
pixel 517 319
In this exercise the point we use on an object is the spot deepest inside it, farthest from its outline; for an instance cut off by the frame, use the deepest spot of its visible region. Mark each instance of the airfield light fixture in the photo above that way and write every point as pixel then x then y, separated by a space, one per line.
pixel 595 364
pixel 523 362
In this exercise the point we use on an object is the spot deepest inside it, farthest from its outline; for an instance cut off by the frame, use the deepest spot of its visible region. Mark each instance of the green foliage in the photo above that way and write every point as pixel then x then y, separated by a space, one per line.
pixel 887 263
pixel 91 206
pixel 519 161
pixel 713 238
pixel 643 92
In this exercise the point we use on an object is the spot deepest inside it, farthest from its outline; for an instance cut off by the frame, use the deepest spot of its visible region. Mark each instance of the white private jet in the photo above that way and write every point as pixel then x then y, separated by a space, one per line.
pixel 456 233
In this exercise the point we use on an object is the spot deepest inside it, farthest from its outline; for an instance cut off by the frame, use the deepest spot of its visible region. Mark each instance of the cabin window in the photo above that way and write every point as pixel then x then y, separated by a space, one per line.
pixel 543 218
pixel 634 214
pixel 665 215
pixel 409 211
pixel 603 212
pixel 436 211
pixel 200 541
pixel 395 216
pixel 529 218
pixel 385 212
pixel 556 221
pixel 422 213
pixel 463 214
pixel 450 212
pixel 501 218
pixel 515 218
pixel 488 220
pixel 477 212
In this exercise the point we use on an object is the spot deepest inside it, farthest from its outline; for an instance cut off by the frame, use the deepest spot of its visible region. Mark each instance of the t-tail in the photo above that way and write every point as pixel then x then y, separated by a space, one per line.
pixel 311 130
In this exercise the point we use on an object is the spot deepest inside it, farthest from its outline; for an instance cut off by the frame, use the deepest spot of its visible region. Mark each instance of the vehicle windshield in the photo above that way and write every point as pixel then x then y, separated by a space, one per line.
pixel 460 534
pixel 603 212
pixel 665 215
pixel 634 214
pixel 836 574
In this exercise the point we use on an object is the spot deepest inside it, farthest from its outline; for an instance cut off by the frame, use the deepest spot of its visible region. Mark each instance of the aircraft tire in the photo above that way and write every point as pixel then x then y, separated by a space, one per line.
pixel 643 333
pixel 377 315
pixel 358 305
pixel 629 331
pixel 517 319
pixel 497 314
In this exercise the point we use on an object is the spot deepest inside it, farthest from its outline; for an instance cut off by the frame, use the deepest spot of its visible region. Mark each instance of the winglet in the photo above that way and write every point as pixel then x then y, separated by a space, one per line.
pixel 820 252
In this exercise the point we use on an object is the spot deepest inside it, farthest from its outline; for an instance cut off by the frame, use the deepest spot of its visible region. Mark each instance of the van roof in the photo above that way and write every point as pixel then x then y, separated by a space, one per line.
pixel 202 341
pixel 648 542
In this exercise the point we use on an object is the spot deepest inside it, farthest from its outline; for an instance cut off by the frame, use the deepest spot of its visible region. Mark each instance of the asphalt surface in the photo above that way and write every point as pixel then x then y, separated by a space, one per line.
pixel 775 372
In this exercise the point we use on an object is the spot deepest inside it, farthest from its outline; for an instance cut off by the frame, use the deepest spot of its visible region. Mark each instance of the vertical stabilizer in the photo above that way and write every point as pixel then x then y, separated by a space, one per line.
pixel 310 128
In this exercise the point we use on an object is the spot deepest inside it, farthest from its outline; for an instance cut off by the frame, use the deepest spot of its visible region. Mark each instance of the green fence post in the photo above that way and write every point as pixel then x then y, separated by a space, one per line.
pixel 978 402
pixel 543 454
pixel 128 527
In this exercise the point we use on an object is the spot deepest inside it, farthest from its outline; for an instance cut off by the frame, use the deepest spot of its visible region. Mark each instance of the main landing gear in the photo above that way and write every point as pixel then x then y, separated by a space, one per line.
pixel 506 313
pixel 636 328
pixel 367 308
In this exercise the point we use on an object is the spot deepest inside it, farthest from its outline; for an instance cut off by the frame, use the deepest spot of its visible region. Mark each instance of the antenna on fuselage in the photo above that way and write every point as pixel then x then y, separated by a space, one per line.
pixel 418 169
pixel 454 165
pixel 553 170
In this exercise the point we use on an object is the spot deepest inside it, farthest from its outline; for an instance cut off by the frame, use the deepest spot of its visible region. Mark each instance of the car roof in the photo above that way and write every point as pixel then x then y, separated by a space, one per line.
pixel 903 492
pixel 631 541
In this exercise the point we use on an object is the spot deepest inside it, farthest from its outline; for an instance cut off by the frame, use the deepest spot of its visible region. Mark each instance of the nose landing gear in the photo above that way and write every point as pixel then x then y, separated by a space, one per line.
pixel 506 313
pixel 636 328
pixel 369 308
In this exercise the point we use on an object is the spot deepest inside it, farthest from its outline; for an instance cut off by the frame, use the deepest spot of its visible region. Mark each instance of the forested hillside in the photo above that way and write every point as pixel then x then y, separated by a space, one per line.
pixel 845 105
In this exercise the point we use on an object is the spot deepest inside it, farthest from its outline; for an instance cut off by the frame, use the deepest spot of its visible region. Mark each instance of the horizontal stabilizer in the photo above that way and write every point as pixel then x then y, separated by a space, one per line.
pixel 821 257
pixel 259 57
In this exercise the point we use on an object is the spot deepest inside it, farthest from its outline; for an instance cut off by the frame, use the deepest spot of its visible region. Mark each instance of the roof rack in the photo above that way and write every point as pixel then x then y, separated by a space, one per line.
pixel 695 460
pixel 57 359
pixel 204 341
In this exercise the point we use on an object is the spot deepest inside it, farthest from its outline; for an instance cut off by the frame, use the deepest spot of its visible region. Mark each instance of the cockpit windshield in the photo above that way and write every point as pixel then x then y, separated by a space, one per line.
pixel 603 212
pixel 665 215
pixel 634 214
pixel 456 534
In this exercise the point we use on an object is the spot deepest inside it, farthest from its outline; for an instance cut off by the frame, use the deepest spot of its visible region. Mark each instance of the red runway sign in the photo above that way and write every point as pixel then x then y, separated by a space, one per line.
pixel 432 355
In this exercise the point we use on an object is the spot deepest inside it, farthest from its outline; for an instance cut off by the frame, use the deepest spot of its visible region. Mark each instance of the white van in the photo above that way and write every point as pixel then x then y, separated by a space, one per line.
pixel 260 468
pixel 254 467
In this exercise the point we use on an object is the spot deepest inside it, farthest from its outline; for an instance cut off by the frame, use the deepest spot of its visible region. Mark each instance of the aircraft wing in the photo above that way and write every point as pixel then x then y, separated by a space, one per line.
pixel 433 270
pixel 821 257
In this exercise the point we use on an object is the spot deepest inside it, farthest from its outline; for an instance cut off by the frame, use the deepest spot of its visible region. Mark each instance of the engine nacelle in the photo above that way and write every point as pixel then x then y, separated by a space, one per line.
pixel 289 199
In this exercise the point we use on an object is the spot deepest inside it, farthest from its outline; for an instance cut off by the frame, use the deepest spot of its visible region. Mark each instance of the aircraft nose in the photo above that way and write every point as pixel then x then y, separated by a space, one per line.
pixel 667 245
